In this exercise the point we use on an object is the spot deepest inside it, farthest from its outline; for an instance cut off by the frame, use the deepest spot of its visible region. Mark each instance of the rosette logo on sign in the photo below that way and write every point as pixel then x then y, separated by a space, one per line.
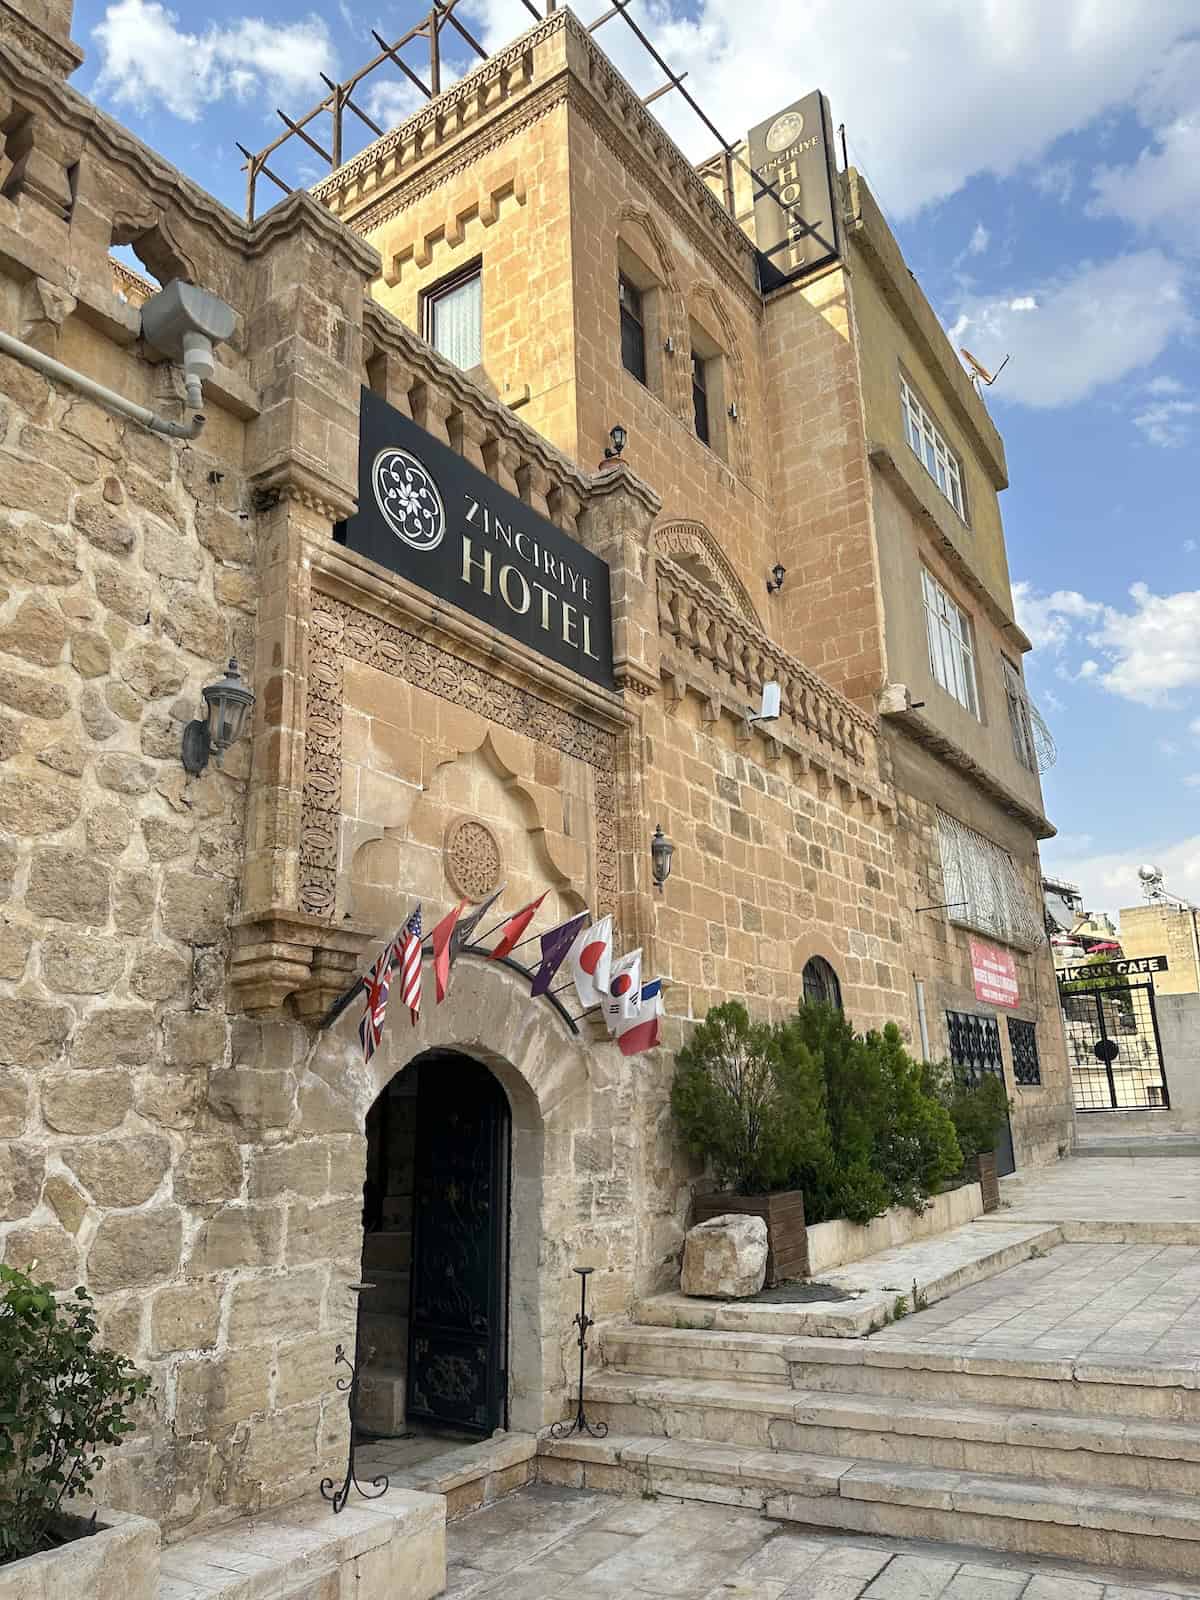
pixel 408 499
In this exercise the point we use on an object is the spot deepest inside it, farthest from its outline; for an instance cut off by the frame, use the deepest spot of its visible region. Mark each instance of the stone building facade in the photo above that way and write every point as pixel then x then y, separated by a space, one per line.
pixel 180 1132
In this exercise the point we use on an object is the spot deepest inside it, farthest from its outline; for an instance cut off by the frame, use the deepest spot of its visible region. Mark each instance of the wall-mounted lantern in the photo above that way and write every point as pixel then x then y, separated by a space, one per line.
pixel 775 581
pixel 618 436
pixel 229 703
pixel 661 851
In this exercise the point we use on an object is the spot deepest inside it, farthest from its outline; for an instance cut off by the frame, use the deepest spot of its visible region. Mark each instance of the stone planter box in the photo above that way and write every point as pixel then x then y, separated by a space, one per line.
pixel 117 1562
pixel 983 1170
pixel 834 1244
pixel 787 1236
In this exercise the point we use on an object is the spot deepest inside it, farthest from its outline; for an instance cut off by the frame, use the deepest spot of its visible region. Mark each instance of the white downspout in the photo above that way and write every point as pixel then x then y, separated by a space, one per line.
pixel 109 398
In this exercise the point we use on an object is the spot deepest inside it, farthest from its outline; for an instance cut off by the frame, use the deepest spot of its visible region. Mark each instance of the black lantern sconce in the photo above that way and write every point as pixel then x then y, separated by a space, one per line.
pixel 229 704
pixel 618 436
pixel 661 851
pixel 775 581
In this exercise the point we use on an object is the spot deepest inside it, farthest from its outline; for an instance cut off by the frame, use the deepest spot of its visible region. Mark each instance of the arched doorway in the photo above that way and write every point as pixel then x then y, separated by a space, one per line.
pixel 435 1248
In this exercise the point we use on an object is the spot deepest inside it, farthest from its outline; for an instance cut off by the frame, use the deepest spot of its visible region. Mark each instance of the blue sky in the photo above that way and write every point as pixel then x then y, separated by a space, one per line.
pixel 1041 166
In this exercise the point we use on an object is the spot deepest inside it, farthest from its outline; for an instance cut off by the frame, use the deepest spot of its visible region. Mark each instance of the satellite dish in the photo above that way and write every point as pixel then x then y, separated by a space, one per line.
pixel 979 373
pixel 769 710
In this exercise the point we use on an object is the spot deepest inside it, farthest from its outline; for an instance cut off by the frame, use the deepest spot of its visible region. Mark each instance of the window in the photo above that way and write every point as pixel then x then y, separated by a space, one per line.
pixel 821 986
pixel 974 1045
pixel 1018 716
pixel 454 317
pixel 982 889
pixel 633 329
pixel 931 449
pixel 1022 1036
pixel 700 396
pixel 951 650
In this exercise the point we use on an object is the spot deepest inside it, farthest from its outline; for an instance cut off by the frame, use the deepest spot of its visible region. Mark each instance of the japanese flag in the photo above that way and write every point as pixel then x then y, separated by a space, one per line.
pixel 624 1003
pixel 591 963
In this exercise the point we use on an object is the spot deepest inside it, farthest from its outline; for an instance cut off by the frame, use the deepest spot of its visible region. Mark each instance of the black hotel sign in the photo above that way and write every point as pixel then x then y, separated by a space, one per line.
pixel 429 515
pixel 795 214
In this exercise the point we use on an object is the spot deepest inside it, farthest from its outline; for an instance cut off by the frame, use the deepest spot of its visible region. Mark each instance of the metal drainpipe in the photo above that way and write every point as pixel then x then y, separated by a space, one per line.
pixel 922 1019
pixel 109 398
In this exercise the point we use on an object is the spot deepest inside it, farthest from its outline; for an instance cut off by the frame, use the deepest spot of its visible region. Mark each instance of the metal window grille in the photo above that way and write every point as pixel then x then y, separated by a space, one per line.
pixel 1022 1037
pixel 821 985
pixel 981 888
pixel 975 1044
pixel 931 449
pixel 951 646
pixel 1019 717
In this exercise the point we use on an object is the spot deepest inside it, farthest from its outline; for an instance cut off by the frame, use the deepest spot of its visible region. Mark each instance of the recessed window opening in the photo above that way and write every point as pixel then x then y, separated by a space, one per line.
pixel 821 985
pixel 454 317
pixel 931 449
pixel 951 645
pixel 700 397
pixel 633 329
pixel 1018 716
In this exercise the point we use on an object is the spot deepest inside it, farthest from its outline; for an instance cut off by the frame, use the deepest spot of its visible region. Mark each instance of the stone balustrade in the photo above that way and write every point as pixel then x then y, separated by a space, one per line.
pixel 699 621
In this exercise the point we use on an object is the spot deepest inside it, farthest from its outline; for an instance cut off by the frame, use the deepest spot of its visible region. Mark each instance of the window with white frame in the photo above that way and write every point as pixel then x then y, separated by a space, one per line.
pixel 931 449
pixel 454 317
pixel 1018 716
pixel 982 889
pixel 951 648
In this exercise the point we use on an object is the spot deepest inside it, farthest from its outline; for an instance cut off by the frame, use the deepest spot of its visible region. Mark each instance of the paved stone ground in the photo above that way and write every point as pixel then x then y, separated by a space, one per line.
pixel 1118 1189
pixel 547 1543
pixel 1094 1299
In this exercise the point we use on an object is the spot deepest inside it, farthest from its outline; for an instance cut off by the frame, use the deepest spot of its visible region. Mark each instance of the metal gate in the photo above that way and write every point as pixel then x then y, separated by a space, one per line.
pixel 975 1047
pixel 1114 1048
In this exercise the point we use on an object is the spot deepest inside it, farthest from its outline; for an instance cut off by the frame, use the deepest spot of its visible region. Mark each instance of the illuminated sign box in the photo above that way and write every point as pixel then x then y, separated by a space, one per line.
pixel 430 516
pixel 795 209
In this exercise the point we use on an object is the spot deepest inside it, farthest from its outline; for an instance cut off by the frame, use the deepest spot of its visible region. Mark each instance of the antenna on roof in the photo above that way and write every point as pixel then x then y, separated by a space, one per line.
pixel 979 373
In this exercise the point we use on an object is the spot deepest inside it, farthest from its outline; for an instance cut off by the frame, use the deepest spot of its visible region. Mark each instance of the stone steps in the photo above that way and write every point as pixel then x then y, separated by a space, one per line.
pixel 1109 1387
pixel 1119 1527
pixel 1046 1446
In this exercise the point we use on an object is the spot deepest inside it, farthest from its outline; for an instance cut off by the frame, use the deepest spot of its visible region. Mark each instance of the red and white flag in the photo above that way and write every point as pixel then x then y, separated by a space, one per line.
pixel 624 1002
pixel 408 964
pixel 514 929
pixel 440 939
pixel 643 1033
pixel 591 963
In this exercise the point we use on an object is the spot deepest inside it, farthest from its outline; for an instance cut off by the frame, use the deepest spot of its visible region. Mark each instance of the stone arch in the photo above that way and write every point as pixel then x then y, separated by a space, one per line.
pixel 632 221
pixel 704 296
pixel 692 547
pixel 543 1070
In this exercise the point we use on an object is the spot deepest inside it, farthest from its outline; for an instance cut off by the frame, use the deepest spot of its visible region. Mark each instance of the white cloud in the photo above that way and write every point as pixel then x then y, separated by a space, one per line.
pixel 147 59
pixel 1109 879
pixel 1189 546
pixel 1079 332
pixel 1160 190
pixel 979 240
pixel 389 101
pixel 1146 654
pixel 1056 179
pixel 1165 423
pixel 1164 385
pixel 957 90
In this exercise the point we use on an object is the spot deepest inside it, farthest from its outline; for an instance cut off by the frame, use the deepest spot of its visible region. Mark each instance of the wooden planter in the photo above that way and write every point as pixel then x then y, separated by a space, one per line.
pixel 983 1172
pixel 787 1235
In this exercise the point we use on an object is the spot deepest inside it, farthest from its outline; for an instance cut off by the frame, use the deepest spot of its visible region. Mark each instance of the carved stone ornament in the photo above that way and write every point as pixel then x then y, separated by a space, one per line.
pixel 474 860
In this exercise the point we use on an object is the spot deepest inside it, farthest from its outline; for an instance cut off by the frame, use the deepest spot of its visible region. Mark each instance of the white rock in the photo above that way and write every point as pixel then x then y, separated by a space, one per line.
pixel 725 1258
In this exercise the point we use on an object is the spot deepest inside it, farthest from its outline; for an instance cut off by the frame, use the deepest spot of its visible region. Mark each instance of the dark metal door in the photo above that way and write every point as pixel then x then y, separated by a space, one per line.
pixel 975 1047
pixel 1114 1047
pixel 457 1332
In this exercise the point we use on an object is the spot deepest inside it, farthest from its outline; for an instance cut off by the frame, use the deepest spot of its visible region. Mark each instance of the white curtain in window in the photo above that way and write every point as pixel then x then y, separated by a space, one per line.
pixel 458 323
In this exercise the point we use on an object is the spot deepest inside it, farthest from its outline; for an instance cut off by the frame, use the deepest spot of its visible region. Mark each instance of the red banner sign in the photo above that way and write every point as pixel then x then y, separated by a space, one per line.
pixel 995 974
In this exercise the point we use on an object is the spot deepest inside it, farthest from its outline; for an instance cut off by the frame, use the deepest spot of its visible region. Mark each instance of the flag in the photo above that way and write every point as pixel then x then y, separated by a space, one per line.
pixel 467 925
pixel 634 1037
pixel 591 962
pixel 555 944
pixel 510 935
pixel 407 956
pixel 378 981
pixel 442 954
pixel 624 1003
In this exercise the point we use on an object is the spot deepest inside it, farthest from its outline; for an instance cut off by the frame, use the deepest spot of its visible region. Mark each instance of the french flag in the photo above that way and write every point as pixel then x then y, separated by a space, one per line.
pixel 642 1032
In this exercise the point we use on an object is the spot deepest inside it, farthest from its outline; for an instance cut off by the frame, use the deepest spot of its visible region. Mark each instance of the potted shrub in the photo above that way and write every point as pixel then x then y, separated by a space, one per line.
pixel 63 1400
pixel 747 1098
pixel 978 1110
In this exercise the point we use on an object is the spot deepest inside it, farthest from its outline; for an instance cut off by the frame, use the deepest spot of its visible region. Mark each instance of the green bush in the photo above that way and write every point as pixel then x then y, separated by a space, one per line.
pixel 61 1399
pixel 977 1109
pixel 747 1098
pixel 916 1148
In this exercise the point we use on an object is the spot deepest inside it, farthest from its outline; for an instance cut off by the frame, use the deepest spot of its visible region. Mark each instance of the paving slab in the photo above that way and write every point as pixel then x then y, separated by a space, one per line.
pixel 1157 1195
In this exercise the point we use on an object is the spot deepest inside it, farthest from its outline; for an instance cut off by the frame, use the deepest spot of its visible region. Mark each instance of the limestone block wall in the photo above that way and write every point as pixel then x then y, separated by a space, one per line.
pixel 1163 930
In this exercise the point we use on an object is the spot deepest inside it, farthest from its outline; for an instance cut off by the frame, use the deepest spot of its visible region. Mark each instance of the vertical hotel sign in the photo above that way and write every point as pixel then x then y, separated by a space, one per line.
pixel 432 517
pixel 795 211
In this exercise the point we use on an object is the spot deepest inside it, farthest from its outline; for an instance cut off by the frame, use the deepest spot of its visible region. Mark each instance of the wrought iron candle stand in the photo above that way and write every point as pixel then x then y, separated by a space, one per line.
pixel 349 1387
pixel 579 1423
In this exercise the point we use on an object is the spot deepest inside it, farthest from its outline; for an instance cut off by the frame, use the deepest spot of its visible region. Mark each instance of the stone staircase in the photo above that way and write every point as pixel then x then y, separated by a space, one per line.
pixel 1092 1460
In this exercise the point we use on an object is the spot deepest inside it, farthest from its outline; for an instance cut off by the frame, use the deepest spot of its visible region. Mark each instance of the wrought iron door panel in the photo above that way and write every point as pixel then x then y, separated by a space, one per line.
pixel 975 1046
pixel 456 1359
pixel 1114 1048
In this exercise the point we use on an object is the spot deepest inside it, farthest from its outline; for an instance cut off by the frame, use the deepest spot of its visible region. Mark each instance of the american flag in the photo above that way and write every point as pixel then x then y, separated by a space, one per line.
pixel 408 959
pixel 378 982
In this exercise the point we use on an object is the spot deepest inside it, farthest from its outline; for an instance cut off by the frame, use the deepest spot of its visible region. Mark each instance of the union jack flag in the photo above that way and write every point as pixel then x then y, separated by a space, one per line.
pixel 378 982
pixel 408 959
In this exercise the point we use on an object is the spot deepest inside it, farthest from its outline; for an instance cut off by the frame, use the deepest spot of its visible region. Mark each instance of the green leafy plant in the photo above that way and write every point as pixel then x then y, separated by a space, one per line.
pixel 62 1399
pixel 747 1098
pixel 977 1109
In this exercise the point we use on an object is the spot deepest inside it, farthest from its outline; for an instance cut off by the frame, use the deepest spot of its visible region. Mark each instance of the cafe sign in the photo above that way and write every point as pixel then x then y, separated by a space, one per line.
pixel 426 513
pixel 795 211
pixel 1130 967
